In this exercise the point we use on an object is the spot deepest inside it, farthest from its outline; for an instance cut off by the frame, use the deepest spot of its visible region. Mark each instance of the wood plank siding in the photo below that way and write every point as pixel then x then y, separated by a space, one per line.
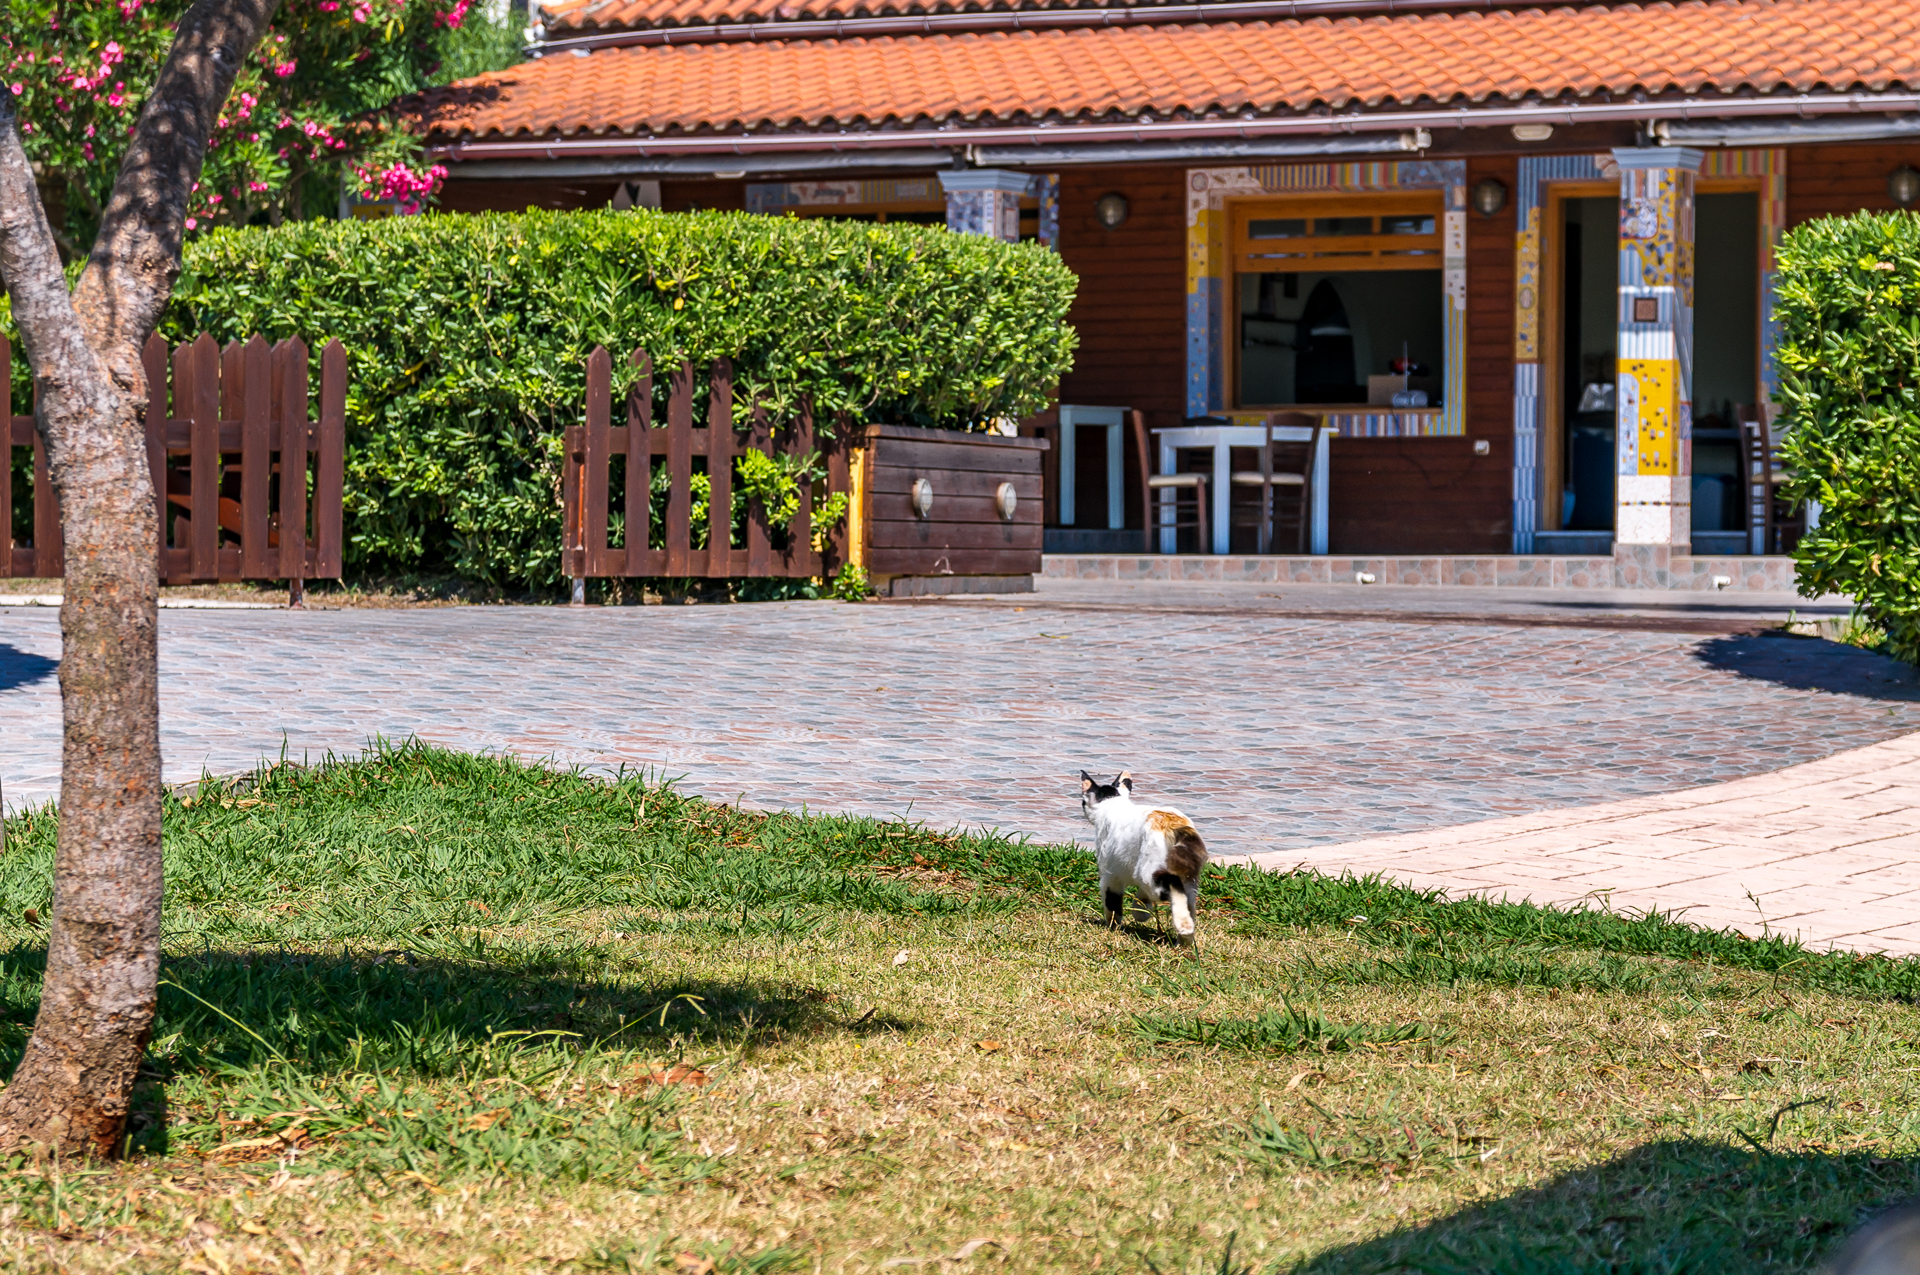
pixel 1836 180
pixel 1131 309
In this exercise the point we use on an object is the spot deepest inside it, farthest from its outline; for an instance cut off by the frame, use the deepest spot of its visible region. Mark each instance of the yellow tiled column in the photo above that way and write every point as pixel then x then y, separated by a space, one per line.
pixel 1654 394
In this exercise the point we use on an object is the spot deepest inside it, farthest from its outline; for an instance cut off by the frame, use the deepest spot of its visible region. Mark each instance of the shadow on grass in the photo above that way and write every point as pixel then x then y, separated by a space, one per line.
pixel 1662 1209
pixel 398 1012
pixel 1812 664
pixel 23 668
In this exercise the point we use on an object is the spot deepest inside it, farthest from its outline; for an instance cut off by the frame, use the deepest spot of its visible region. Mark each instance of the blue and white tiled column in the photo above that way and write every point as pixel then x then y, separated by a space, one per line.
pixel 1654 400
pixel 985 201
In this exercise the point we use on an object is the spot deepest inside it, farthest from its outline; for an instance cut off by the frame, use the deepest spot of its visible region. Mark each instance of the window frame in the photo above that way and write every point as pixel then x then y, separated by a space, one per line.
pixel 1246 255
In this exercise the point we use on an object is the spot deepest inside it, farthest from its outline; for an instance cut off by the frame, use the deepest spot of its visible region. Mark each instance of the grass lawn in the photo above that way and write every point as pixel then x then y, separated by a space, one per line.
pixel 432 1012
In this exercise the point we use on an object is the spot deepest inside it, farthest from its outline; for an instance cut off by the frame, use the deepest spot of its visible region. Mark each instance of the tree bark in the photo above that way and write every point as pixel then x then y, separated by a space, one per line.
pixel 74 1084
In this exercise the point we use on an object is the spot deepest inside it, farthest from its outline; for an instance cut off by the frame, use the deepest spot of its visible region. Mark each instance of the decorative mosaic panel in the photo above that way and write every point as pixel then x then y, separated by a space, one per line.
pixel 1535 173
pixel 770 197
pixel 1208 326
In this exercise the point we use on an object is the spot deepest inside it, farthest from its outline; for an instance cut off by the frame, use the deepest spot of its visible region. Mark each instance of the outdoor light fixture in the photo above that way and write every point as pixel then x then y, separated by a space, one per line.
pixel 1489 196
pixel 1532 132
pixel 922 498
pixel 1111 210
pixel 1903 186
pixel 1006 500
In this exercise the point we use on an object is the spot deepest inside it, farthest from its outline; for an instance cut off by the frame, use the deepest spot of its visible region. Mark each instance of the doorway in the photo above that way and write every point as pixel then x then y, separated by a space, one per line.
pixel 1580 395
pixel 1726 361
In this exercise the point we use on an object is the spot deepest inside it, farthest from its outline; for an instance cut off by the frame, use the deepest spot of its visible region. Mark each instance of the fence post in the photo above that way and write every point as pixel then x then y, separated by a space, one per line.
pixel 593 482
pixel 256 457
pixel 720 469
pixel 639 464
pixel 801 559
pixel 330 463
pixel 679 469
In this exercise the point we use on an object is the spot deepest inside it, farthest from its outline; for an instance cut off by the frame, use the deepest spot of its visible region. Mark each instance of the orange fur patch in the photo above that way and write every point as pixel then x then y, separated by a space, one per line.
pixel 1168 821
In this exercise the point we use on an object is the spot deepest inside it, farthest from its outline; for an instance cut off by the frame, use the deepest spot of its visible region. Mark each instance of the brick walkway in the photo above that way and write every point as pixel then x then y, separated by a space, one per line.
pixel 1828 851
pixel 1276 731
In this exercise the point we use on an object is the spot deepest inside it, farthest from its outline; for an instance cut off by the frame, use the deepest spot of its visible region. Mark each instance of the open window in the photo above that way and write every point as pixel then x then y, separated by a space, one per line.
pixel 1339 302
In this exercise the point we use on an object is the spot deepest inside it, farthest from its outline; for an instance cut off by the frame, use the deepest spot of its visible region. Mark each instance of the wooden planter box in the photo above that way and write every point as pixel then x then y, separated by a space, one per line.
pixel 943 512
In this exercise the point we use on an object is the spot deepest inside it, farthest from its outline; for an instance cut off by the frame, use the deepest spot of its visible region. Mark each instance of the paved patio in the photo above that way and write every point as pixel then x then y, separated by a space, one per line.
pixel 1278 727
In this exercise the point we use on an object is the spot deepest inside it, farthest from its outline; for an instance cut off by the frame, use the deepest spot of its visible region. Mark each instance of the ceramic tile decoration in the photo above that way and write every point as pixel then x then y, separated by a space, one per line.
pixel 1536 174
pixel 1653 432
pixel 1209 189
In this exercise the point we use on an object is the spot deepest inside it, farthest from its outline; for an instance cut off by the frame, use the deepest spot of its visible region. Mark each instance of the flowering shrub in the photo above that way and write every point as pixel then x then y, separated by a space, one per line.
pixel 305 114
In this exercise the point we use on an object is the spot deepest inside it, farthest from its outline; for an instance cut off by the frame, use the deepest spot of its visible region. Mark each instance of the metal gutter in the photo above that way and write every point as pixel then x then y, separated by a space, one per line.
pixel 763 165
pixel 955 138
pixel 1018 20
pixel 1785 132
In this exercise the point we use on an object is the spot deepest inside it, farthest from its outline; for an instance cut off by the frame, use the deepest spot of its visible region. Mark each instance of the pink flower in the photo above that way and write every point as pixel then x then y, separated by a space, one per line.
pixel 18 89
pixel 193 223
pixel 328 6
pixel 283 70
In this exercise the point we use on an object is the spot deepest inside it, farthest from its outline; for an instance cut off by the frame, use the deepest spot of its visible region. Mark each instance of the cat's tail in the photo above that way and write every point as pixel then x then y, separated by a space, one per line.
pixel 1186 859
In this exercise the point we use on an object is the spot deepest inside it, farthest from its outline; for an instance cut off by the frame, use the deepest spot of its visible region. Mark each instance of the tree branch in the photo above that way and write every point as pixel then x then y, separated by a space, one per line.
pixel 136 256
pixel 30 267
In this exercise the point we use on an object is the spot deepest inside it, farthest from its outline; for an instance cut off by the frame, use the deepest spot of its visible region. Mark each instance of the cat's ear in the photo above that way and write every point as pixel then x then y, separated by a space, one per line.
pixel 1086 782
pixel 1124 780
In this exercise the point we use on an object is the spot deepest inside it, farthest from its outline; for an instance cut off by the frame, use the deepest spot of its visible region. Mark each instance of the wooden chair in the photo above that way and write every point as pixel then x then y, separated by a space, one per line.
pixel 1772 524
pixel 1285 478
pixel 1166 516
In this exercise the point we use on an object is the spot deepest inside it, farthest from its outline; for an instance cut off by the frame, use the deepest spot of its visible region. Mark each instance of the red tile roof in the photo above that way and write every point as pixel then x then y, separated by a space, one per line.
pixel 576 17
pixel 1701 46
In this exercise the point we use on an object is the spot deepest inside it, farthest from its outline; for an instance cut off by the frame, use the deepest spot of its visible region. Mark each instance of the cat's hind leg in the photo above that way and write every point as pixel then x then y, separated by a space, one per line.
pixel 1115 901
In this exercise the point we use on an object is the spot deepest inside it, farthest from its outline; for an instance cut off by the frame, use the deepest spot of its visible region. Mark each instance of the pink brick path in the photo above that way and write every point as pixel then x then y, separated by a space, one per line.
pixel 1828 851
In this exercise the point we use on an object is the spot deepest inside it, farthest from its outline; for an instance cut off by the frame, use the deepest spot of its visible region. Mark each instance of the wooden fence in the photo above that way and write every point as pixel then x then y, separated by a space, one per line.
pixel 658 532
pixel 232 465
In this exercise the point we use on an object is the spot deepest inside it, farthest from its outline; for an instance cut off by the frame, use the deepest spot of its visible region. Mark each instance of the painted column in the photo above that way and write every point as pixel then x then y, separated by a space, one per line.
pixel 984 201
pixel 1653 423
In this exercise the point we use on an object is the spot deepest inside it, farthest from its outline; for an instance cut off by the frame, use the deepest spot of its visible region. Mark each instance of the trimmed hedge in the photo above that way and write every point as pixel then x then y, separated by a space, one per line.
pixel 468 338
pixel 1849 357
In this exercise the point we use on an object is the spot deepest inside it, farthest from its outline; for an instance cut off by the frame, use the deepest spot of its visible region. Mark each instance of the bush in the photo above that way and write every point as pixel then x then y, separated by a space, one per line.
pixel 1849 313
pixel 468 338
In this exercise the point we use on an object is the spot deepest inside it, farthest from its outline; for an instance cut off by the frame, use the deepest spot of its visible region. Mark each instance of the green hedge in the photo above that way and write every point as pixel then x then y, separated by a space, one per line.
pixel 1849 355
pixel 468 338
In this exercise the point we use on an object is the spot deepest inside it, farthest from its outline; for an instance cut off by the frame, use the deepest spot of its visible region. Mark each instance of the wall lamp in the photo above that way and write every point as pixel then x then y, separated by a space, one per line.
pixel 1903 186
pixel 1111 210
pixel 1489 196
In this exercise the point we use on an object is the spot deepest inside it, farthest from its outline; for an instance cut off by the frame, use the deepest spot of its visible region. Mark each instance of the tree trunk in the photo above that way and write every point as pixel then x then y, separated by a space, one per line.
pixel 74 1084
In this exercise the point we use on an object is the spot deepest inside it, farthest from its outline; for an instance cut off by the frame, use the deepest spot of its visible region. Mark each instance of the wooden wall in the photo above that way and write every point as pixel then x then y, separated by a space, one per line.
pixel 1824 180
pixel 518 196
pixel 1131 308
pixel 475 195
pixel 1433 495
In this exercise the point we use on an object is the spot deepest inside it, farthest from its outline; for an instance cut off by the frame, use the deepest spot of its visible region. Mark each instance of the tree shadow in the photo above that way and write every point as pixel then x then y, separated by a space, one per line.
pixel 23 668
pixel 1812 664
pixel 1663 1208
pixel 397 1011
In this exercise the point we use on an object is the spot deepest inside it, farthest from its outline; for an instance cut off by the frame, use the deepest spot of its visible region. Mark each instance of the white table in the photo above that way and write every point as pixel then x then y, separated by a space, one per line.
pixel 1112 419
pixel 1222 439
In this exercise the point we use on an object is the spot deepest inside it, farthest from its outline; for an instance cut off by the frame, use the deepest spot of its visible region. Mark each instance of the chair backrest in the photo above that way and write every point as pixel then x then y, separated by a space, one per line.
pixel 1143 453
pixel 1287 456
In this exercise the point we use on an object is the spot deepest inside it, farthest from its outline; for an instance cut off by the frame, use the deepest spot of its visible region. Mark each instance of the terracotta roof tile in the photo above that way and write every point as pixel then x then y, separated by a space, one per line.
pixel 1694 46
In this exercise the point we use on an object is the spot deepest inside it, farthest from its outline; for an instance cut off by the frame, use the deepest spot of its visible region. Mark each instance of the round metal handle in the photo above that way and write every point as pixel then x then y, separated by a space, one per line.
pixel 1005 501
pixel 922 498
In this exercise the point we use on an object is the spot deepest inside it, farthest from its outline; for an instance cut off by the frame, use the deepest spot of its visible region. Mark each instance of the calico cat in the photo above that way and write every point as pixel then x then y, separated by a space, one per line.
pixel 1155 851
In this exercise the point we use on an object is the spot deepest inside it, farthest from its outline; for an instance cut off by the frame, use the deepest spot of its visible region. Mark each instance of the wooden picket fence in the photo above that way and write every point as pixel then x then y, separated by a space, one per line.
pixel 586 483
pixel 232 464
